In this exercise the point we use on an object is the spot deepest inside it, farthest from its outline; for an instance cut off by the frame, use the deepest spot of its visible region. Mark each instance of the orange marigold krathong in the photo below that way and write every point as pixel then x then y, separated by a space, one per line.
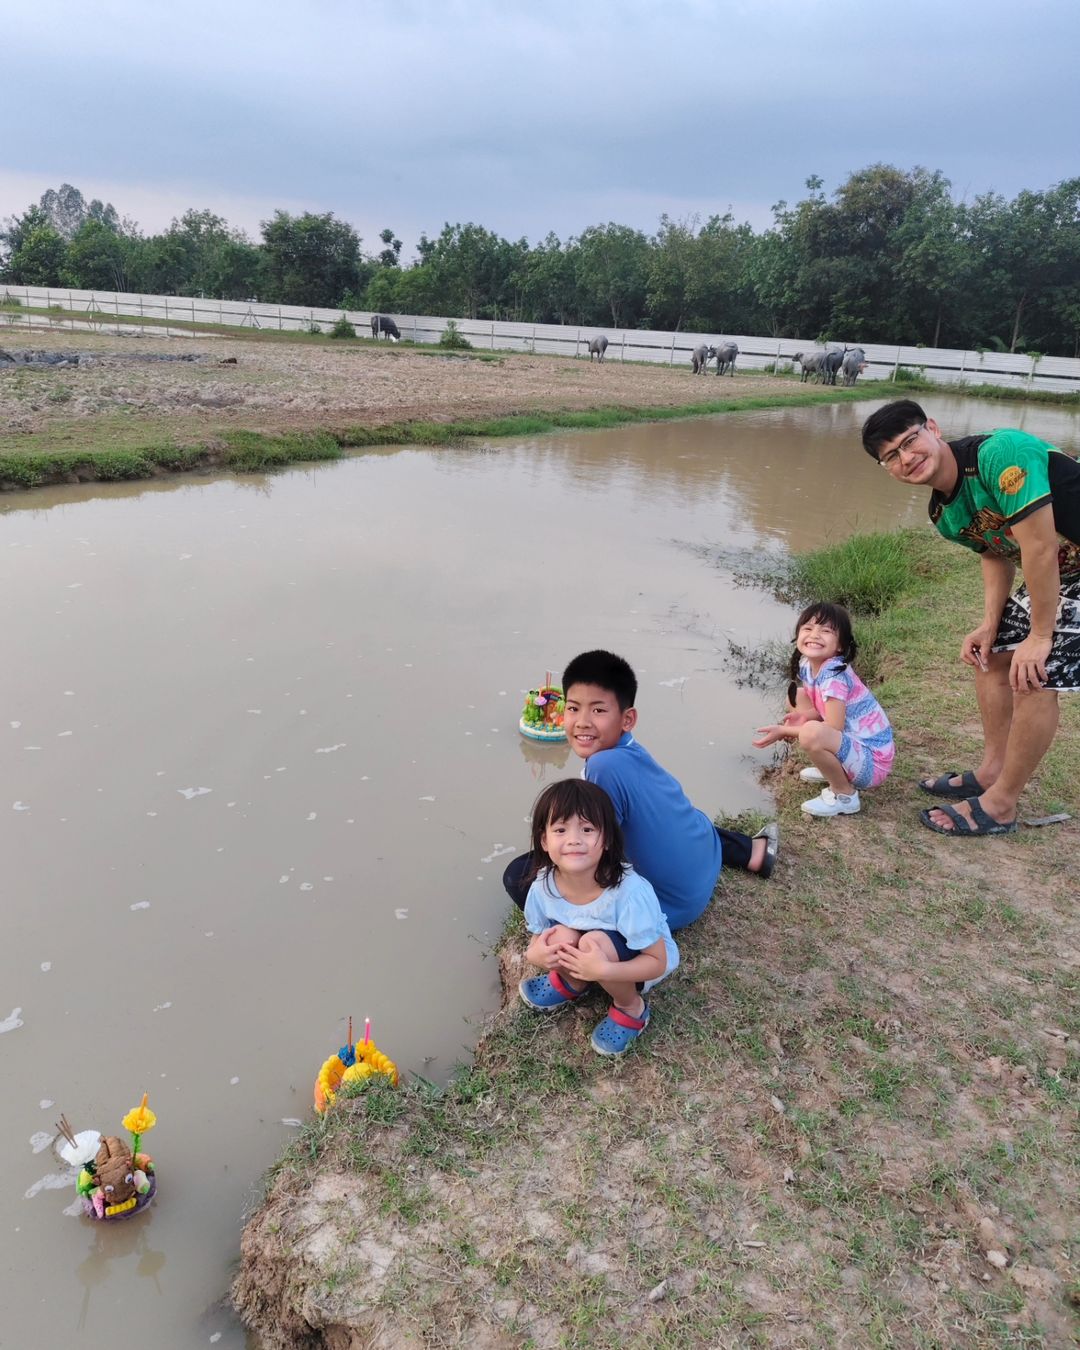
pixel 352 1064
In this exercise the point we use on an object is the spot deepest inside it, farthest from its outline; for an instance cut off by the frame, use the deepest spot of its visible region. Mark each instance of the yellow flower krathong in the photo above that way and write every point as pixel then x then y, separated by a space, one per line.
pixel 370 1060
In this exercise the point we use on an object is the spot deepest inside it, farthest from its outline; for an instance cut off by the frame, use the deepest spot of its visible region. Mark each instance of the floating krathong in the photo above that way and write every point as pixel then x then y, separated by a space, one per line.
pixel 542 716
pixel 115 1181
pixel 352 1064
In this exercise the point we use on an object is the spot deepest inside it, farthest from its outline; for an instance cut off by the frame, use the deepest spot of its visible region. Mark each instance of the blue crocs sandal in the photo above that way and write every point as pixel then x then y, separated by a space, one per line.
pixel 545 993
pixel 618 1031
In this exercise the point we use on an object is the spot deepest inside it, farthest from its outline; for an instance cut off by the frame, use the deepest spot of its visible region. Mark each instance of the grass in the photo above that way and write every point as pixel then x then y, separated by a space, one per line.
pixel 849 1073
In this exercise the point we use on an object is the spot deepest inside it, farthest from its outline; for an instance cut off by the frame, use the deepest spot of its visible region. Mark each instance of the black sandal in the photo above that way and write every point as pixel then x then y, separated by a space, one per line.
pixel 968 787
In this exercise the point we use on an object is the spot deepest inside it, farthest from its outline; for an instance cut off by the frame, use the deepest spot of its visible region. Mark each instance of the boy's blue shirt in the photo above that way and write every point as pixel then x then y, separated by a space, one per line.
pixel 669 841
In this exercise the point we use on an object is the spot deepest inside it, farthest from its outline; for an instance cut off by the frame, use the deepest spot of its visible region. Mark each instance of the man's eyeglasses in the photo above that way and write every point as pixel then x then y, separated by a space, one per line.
pixel 893 457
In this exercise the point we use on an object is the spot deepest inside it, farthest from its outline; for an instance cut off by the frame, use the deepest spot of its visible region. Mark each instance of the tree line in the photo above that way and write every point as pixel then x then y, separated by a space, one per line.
pixel 890 257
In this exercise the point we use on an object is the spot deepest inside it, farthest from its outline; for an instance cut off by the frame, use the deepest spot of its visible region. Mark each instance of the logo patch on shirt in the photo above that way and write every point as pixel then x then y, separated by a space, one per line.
pixel 1011 480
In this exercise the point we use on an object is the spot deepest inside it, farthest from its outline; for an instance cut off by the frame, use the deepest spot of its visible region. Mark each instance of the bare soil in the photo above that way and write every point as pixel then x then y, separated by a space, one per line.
pixel 277 386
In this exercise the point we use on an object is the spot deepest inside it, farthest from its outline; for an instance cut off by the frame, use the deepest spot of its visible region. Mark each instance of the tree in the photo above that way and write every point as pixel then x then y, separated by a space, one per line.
pixel 311 259
pixel 38 255
pixel 613 269
pixel 390 255
pixel 100 259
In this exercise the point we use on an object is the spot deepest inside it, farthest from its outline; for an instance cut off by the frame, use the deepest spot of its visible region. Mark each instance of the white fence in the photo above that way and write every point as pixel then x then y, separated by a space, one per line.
pixel 92 309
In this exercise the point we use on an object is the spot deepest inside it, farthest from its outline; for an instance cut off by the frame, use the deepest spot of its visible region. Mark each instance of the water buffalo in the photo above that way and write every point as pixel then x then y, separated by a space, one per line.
pixel 811 365
pixel 383 323
pixel 700 358
pixel 597 348
pixel 830 364
pixel 725 354
pixel 853 365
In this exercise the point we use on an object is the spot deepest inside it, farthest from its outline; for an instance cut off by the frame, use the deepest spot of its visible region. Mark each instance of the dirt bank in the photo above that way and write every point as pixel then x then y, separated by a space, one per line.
pixel 853 1121
pixel 306 384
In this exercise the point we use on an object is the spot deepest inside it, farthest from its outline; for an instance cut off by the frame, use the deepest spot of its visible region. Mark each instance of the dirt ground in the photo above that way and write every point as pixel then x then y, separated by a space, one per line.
pixel 277 386
pixel 854 1121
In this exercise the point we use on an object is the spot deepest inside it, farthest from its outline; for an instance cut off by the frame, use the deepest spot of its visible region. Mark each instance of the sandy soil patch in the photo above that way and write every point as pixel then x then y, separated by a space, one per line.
pixel 278 386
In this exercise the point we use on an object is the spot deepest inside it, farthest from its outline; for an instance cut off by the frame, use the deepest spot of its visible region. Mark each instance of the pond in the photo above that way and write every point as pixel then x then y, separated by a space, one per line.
pixel 261 771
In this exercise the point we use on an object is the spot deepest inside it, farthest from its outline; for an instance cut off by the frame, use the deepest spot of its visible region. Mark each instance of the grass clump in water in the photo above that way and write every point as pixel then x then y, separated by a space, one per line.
pixel 253 451
pixel 865 574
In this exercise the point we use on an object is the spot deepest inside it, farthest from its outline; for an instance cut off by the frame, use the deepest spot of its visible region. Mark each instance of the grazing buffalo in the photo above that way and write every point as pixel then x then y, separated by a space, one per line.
pixel 383 323
pixel 597 348
pixel 830 364
pixel 725 355
pixel 811 365
pixel 854 364
pixel 700 358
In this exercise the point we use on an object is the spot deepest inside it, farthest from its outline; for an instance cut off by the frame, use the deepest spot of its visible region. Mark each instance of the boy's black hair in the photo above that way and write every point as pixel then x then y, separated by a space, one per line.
pixel 575 797
pixel 607 671
pixel 890 422
pixel 832 616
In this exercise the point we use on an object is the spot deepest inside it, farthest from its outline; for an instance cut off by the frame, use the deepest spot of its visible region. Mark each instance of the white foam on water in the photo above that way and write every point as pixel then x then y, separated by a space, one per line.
pixel 45 1103
pixel 19 806
pixel 75 1210
pixel 675 683
pixel 15 725
pixel 312 815
pixel 162 1006
pixel 31 747
pixel 12 1022
pixel 183 557
pixel 194 792
pixel 151 813
pixel 283 879
pixel 292 1121
pixel 140 904
pixel 52 1181
pixel 401 913
pixel 329 749
pixel 427 799
pixel 69 693
pixel 306 886
pixel 498 851
pixel 255 712
pixel 233 1082
pixel 40 1141
pixel 328 878
pixel 65 733
pixel 46 965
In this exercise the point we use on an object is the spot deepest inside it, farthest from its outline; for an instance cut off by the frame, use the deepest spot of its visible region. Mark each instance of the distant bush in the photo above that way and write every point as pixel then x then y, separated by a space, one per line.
pixel 452 338
pixel 313 329
pixel 343 329
pixel 905 375
pixel 11 301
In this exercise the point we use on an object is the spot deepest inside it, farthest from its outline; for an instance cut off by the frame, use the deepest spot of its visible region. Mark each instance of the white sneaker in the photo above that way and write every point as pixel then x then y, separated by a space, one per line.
pixel 812 774
pixel 830 804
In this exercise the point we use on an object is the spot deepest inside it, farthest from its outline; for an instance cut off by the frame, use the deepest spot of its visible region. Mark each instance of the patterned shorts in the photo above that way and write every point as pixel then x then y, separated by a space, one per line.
pixel 1063 663
pixel 865 767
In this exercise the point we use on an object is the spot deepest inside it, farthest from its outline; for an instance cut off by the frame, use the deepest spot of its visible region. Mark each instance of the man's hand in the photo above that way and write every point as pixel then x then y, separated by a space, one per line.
pixel 976 646
pixel 1027 672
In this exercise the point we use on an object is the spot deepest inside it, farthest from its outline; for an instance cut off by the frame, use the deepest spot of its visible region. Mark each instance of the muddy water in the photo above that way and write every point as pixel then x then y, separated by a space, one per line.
pixel 260 771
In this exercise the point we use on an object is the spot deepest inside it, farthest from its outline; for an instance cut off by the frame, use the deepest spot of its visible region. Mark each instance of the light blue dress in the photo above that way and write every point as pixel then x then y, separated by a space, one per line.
pixel 631 908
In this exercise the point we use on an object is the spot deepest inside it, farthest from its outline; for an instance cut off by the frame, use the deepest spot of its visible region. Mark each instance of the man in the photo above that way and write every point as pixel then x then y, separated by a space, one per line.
pixel 1015 500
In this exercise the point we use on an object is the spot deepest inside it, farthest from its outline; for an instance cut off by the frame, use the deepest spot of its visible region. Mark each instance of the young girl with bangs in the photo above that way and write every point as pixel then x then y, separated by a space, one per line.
pixel 834 717
pixel 592 917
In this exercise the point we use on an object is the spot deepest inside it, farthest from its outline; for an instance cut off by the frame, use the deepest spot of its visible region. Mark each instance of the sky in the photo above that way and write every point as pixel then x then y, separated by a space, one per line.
pixel 526 118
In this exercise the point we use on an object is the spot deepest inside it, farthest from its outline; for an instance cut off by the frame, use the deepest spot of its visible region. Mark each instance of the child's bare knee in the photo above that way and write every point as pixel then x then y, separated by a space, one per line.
pixel 599 943
pixel 810 735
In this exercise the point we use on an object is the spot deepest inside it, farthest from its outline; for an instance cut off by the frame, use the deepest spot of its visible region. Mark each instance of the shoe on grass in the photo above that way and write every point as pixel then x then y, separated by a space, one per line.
pixel 831 803
pixel 812 774
pixel 547 992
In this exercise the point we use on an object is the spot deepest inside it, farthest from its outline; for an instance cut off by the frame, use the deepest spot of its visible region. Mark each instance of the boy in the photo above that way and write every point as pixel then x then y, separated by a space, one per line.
pixel 669 841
